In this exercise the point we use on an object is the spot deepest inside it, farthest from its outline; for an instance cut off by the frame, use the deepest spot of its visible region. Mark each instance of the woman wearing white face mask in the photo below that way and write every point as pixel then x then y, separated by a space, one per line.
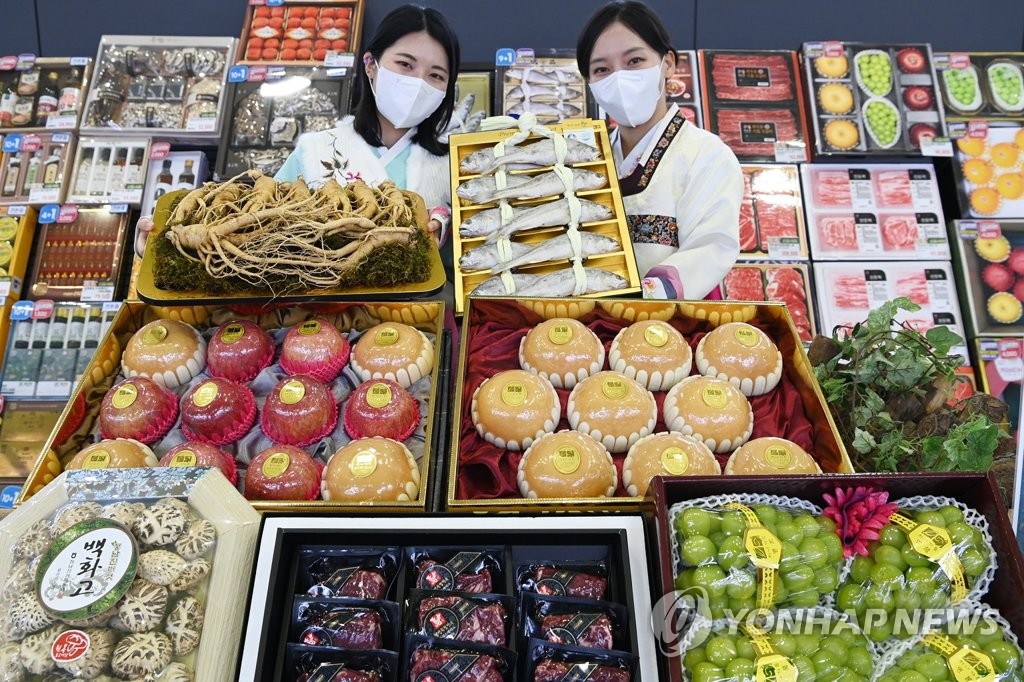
pixel 682 187
pixel 404 97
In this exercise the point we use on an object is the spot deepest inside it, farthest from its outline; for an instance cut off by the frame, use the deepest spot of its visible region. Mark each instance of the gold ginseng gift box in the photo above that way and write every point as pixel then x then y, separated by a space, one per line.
pixel 482 476
pixel 595 133
pixel 79 423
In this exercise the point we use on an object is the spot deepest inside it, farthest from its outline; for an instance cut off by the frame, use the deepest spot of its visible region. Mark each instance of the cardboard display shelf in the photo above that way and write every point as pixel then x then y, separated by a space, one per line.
pixel 35 168
pixel 977 491
pixel 771 215
pixel 753 100
pixel 109 551
pixel 149 292
pixel 621 262
pixel 79 424
pixel 17 232
pixel 296 558
pixel 159 85
pixel 982 84
pixel 873 99
pixel 44 93
pixel 270 108
pixel 78 253
pixel 787 283
pixel 989 168
pixel 874 212
pixel 301 32
pixel 989 257
pixel 483 476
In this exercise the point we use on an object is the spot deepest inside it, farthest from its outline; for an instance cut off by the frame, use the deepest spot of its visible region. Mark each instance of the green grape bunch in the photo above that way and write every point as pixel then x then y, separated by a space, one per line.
pixel 921 662
pixel 715 558
pixel 875 71
pixel 883 120
pixel 891 591
pixel 1007 85
pixel 822 650
pixel 962 87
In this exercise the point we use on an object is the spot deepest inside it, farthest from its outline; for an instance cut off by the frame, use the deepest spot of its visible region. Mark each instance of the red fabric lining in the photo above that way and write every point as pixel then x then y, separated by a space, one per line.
pixel 487 472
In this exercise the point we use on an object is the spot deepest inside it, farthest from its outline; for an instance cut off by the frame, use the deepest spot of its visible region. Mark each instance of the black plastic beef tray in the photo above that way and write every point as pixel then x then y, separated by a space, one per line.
pixel 978 491
pixel 270 110
pixel 507 547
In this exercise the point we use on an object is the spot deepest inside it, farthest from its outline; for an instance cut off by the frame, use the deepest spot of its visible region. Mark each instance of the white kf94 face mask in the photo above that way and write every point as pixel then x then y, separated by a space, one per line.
pixel 405 100
pixel 630 97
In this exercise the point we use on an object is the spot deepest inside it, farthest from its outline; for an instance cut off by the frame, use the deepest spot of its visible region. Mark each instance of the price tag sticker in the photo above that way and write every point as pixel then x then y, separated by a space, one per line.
pixel 5 287
pixel 60 138
pixel 931 235
pixel 42 194
pixel 17 210
pixel 936 146
pixel 62 122
pixel 787 151
pixel 26 60
pixel 336 59
pixel 79 61
pixel 48 214
pixel 784 248
pixel 53 389
pixel 31 143
pixel 18 389
pixel 118 208
pixel 1009 360
pixel 159 150
pixel 238 74
pixel 8 495
pixel 201 124
pixel 22 311
pixel 869 237
pixel 12 144
pixel 94 291
pixel 68 214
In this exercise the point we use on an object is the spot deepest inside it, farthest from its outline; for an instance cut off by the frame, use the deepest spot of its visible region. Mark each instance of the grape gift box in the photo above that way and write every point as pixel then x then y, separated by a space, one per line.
pixel 976 491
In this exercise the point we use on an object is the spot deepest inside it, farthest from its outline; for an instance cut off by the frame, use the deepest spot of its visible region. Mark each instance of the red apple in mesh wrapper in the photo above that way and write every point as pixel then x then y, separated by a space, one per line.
pixel 919 132
pixel 283 472
pixel 1016 261
pixel 299 411
pixel 381 407
pixel 918 98
pixel 911 60
pixel 217 411
pixel 314 347
pixel 998 276
pixel 139 409
pixel 239 351
pixel 197 454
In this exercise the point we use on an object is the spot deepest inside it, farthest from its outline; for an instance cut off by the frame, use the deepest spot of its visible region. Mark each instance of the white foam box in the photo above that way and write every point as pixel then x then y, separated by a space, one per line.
pixel 846 292
pixel 874 211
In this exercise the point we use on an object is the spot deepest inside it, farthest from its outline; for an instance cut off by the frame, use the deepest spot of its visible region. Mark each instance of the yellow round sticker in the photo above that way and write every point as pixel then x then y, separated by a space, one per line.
pixel 232 333
pixel 560 334
pixel 379 395
pixel 5 253
pixel 715 397
pixel 566 459
pixel 778 457
pixel 656 335
pixel 205 394
pixel 388 336
pixel 513 393
pixel 292 392
pixel 154 335
pixel 747 336
pixel 100 459
pixel 363 464
pixel 124 396
pixel 276 464
pixel 614 388
pixel 184 458
pixel 309 327
pixel 675 461
pixel 8 228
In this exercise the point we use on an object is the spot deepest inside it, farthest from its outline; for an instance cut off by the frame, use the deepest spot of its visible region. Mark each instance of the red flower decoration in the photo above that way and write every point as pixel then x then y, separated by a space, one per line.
pixel 860 515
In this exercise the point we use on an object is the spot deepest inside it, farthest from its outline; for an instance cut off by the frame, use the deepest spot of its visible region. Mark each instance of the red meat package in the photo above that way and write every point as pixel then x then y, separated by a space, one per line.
pixel 462 617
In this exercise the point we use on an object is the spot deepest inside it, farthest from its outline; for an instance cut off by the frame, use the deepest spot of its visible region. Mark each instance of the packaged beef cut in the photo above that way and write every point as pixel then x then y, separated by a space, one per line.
pixel 548 662
pixel 567 580
pixel 345 623
pixel 459 571
pixel 575 622
pixel 592 630
pixel 456 662
pixel 365 573
pixel 320 664
pixel 463 617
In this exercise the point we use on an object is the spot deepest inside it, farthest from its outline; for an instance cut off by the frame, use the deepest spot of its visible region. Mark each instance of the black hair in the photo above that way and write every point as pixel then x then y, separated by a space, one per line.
pixel 636 16
pixel 400 22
